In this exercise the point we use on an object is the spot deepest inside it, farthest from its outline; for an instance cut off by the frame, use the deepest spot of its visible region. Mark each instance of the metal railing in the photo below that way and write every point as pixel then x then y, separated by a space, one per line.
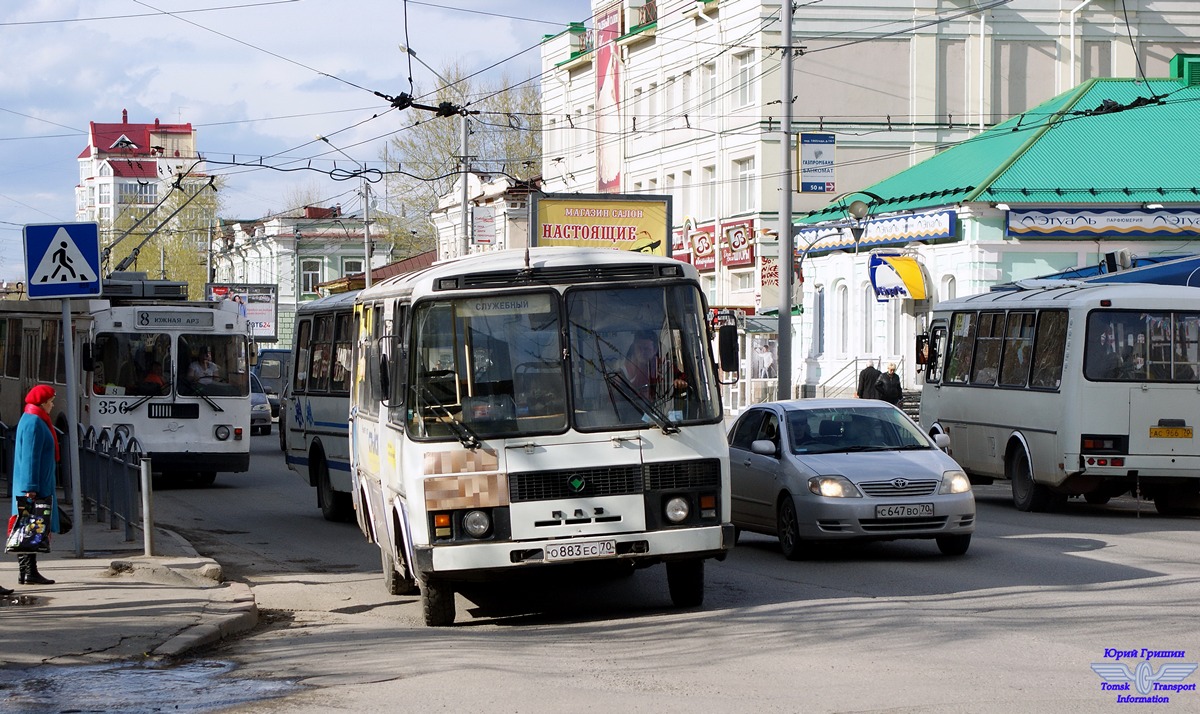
pixel 111 473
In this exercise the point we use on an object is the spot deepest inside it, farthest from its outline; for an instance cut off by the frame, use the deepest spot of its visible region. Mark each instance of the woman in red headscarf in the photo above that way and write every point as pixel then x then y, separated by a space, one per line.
pixel 35 461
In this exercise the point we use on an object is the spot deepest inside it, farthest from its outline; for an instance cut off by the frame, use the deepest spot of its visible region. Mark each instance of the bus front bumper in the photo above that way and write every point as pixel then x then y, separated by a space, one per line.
pixel 470 561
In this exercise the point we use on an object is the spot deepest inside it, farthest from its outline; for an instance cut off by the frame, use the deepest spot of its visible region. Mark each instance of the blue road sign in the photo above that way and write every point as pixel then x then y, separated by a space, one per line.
pixel 62 260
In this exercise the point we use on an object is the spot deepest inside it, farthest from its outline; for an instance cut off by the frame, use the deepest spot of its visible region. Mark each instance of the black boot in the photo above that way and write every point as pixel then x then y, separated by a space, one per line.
pixel 5 592
pixel 29 573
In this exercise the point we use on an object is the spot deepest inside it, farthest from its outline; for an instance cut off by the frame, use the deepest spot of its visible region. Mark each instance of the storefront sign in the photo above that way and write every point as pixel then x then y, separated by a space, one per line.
pixel 1120 222
pixel 622 222
pixel 882 231
pixel 737 250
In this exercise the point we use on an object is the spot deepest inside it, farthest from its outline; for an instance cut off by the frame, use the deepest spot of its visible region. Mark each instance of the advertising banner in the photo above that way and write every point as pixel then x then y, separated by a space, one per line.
pixel 258 302
pixel 617 221
pixel 816 163
pixel 1124 222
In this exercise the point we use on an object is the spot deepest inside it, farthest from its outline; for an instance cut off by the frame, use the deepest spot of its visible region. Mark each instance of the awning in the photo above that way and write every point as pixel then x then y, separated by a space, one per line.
pixel 896 277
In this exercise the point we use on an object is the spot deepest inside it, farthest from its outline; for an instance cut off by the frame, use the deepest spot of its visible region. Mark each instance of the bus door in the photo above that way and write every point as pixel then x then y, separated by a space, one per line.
pixel 1162 421
pixel 31 341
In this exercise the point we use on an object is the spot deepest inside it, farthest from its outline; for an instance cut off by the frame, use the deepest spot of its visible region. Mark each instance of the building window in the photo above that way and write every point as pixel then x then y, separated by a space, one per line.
pixel 744 177
pixel 708 202
pixel 843 308
pixel 708 90
pixel 818 347
pixel 105 170
pixel 743 280
pixel 105 194
pixel 744 67
pixel 868 318
pixel 137 193
pixel 310 275
pixel 105 213
pixel 352 266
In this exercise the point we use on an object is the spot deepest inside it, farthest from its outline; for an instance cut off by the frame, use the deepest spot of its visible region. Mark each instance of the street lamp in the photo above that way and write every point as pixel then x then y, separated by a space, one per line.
pixel 366 194
pixel 464 161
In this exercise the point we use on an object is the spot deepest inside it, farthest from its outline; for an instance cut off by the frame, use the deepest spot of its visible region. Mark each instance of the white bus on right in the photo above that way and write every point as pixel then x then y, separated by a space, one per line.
pixel 1071 388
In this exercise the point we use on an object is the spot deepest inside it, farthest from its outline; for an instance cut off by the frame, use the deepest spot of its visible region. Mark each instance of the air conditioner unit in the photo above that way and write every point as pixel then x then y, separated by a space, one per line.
pixel 1118 260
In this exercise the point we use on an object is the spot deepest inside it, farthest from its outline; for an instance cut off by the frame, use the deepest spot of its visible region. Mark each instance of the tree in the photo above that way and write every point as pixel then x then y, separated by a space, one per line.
pixel 423 161
pixel 178 250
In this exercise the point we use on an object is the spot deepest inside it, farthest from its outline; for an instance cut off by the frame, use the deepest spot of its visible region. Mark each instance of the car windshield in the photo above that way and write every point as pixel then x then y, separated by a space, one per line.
pixel 856 428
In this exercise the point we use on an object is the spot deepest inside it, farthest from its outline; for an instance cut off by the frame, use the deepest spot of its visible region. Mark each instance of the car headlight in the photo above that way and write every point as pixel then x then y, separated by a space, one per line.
pixel 261 408
pixel 833 487
pixel 476 523
pixel 954 482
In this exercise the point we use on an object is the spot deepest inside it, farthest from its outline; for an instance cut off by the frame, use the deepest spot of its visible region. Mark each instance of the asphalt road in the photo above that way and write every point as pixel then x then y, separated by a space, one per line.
pixel 1014 625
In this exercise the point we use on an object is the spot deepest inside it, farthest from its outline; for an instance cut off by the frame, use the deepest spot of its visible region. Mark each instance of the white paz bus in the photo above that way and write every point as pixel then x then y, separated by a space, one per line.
pixel 1071 388
pixel 525 409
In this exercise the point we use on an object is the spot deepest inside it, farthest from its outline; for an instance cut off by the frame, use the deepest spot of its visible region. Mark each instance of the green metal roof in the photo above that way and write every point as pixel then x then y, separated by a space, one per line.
pixel 1107 141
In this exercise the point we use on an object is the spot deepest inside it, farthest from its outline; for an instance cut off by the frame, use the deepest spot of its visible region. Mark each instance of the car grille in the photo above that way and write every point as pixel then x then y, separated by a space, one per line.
pixel 898 487
pixel 900 525
pixel 613 480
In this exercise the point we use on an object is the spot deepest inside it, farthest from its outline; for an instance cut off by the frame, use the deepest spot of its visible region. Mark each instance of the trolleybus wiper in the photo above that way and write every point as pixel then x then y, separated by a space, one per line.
pixel 627 390
pixel 465 434
pixel 198 391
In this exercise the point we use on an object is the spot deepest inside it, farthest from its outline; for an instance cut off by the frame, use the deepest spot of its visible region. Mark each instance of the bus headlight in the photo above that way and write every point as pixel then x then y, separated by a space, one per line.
pixel 677 509
pixel 955 482
pixel 476 523
pixel 222 432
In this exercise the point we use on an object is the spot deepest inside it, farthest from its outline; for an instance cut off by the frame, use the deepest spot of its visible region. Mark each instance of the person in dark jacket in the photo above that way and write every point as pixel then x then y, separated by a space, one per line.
pixel 867 379
pixel 35 463
pixel 887 386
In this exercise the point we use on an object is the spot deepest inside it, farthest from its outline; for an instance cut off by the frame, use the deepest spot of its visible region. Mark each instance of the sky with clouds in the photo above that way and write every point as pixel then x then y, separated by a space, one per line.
pixel 256 78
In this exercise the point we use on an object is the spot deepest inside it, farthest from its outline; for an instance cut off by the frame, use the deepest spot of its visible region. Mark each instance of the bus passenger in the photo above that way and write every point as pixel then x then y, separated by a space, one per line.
pixel 646 369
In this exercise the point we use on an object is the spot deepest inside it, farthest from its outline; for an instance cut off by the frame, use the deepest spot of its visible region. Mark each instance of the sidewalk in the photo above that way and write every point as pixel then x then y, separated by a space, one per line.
pixel 116 603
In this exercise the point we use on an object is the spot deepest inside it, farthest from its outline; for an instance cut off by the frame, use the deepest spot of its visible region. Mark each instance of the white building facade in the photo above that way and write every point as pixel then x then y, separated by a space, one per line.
pixel 682 97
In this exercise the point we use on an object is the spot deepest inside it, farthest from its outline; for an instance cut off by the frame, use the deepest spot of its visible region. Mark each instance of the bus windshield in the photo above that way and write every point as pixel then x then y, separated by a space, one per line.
pixel 127 363
pixel 494 366
pixel 213 366
pixel 639 356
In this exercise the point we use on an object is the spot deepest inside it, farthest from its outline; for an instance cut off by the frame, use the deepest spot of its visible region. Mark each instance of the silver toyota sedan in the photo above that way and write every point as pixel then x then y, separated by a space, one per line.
pixel 842 469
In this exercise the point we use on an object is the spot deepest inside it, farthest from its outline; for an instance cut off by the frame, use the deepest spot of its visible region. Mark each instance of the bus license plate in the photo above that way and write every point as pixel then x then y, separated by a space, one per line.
pixel 581 550
pixel 907 510
pixel 1170 432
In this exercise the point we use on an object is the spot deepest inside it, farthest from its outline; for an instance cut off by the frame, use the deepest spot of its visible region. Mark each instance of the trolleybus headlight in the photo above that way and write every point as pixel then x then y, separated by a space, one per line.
pixel 955 482
pixel 222 432
pixel 476 523
pixel 677 509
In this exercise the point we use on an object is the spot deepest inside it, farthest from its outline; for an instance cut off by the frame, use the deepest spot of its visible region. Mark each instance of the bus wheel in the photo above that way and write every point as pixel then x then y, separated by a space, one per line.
pixel 1097 497
pixel 205 478
pixel 393 581
pixel 685 581
pixel 1026 494
pixel 437 602
pixel 956 544
pixel 335 506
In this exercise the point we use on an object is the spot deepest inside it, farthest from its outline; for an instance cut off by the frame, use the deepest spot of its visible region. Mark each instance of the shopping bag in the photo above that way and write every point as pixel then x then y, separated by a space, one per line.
pixel 30 531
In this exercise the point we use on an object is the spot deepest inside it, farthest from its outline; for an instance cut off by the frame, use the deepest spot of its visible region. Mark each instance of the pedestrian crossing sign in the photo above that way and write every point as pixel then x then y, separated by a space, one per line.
pixel 62 260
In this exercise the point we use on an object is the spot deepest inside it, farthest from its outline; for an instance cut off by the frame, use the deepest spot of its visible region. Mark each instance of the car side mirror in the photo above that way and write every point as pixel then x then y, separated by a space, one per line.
pixel 942 441
pixel 763 446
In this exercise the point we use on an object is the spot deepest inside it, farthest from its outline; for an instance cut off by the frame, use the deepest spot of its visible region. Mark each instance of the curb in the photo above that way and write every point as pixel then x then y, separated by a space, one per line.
pixel 231 609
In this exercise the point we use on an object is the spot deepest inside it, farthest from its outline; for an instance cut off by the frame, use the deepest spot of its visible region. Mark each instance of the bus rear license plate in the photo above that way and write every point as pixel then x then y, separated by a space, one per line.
pixel 1170 432
pixel 906 510
pixel 581 551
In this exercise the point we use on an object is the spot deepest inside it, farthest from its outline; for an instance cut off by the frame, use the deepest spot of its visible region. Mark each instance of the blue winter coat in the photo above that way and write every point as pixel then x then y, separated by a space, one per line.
pixel 34 468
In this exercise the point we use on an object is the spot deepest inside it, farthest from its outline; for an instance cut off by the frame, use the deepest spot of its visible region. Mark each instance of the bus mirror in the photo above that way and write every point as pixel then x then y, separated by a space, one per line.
pixel 922 351
pixel 727 346
pixel 385 383
pixel 253 355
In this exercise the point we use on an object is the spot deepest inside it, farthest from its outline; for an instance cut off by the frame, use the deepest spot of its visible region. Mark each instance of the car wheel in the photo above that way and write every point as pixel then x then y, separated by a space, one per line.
pixel 266 430
pixel 685 581
pixel 954 544
pixel 437 603
pixel 788 530
pixel 393 581
pixel 1026 494
pixel 335 506
pixel 737 534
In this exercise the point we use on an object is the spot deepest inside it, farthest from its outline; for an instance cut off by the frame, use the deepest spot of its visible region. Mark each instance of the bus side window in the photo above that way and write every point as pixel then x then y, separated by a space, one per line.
pixel 962 345
pixel 1048 349
pixel 937 349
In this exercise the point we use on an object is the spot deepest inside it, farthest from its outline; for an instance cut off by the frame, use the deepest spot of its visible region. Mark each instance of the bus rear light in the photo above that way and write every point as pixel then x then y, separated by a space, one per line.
pixel 1116 461
pixel 1107 444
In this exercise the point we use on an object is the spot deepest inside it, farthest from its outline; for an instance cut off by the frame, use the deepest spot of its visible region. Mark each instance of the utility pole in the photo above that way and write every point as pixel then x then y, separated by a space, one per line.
pixel 366 231
pixel 466 169
pixel 786 239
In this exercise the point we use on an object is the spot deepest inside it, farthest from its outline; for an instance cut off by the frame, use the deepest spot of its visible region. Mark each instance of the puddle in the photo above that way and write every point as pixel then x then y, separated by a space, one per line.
pixel 200 686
